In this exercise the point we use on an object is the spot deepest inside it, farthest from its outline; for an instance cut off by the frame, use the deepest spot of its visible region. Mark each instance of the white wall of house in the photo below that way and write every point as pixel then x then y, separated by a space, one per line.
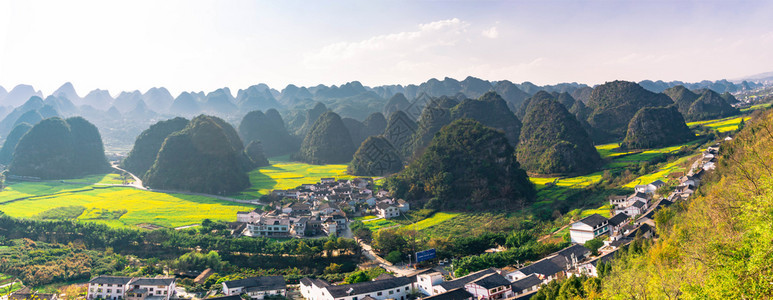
pixel 106 291
pixel 580 233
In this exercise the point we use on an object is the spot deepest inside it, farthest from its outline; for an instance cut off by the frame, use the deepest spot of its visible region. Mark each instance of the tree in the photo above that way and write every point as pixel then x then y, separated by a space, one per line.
pixel 394 257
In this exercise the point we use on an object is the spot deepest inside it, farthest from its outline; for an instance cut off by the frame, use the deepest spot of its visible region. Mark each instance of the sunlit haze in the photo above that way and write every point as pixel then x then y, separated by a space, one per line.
pixel 204 45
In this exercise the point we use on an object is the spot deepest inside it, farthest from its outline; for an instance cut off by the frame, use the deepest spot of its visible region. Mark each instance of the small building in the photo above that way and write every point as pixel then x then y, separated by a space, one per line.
pixel 256 287
pixel 455 294
pixel 108 287
pixel 588 228
pixel 403 205
pixel 387 211
pixel 154 288
pixel 398 288
pixel 526 285
pixel 489 287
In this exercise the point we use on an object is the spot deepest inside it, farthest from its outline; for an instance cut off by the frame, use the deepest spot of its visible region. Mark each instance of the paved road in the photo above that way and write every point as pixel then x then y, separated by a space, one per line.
pixel 372 256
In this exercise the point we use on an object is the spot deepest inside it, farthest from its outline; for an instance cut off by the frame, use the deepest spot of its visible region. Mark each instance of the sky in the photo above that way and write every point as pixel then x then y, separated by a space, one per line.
pixel 195 45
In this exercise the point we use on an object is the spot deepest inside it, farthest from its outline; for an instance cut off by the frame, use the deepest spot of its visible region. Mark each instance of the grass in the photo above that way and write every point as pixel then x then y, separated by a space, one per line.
pixel 283 174
pixel 114 206
pixel 376 225
pixel 436 219
pixel 111 178
pixel 611 150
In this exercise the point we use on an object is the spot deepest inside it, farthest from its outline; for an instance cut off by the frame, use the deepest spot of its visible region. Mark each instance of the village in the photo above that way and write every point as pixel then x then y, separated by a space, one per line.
pixel 322 209
pixel 319 209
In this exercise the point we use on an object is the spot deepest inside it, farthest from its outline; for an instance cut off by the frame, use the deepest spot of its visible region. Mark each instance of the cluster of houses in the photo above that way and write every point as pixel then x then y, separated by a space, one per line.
pixel 512 282
pixel 131 288
pixel 635 212
pixel 321 208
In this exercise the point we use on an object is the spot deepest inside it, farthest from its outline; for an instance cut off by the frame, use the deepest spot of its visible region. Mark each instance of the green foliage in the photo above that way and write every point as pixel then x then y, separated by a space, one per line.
pixel 613 104
pixel 217 151
pixel 529 251
pixel 59 149
pixel 573 287
pixel 655 127
pixel 492 111
pixel 148 143
pixel 394 257
pixel 468 166
pixel 328 141
pixel 710 105
pixel 553 141
pixel 269 129
pixel 254 152
pixel 375 157
pixel 197 261
pixel 594 245
pixel 6 154
pixel 716 245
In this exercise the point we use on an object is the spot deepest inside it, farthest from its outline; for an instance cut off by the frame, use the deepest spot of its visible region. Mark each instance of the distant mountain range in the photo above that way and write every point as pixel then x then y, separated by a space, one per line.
pixel 123 117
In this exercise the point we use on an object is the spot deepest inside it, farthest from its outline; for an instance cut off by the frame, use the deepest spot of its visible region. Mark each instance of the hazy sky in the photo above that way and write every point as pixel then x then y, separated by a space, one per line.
pixel 204 45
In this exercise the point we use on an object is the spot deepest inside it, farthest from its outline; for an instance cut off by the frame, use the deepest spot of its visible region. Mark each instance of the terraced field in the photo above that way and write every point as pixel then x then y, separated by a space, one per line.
pixel 721 125
pixel 284 174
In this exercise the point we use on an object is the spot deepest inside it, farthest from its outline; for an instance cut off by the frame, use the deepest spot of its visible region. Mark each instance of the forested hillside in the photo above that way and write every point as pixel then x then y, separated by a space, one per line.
pixel 717 245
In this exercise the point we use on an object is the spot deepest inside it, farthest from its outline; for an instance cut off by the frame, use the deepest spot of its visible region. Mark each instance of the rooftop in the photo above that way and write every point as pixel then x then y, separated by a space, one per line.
pixel 338 291
pixel 593 220
pixel 102 279
pixel 263 283
pixel 455 294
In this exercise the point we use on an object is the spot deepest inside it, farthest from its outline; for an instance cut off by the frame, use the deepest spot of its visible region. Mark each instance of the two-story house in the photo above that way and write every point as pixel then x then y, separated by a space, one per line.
pixel 588 228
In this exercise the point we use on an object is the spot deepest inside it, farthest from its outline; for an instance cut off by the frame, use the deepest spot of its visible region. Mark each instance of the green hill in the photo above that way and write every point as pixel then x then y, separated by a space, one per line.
pixel 655 127
pixel 553 141
pixel 59 149
pixel 467 166
pixel 613 104
pixel 376 157
pixel 6 154
pixel 710 105
pixel 327 142
pixel 254 152
pixel 491 110
pixel 433 117
pixel 269 129
pixel 399 131
pixel 148 143
pixel 203 157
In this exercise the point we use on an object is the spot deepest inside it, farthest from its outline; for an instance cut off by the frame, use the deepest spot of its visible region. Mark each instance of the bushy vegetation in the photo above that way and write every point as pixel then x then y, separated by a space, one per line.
pixel 269 129
pixel 217 150
pixel 466 166
pixel 654 127
pixel 553 141
pixel 376 157
pixel 717 245
pixel 58 149
pixel 613 104
pixel 327 142
pixel 6 154
pixel 492 111
pixel 148 143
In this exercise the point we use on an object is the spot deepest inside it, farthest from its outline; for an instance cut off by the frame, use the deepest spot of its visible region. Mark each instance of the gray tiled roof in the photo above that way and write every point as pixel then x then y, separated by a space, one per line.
pixel 102 279
pixel 526 283
pixel 455 294
pixel 460 282
pixel 264 283
pixel 338 291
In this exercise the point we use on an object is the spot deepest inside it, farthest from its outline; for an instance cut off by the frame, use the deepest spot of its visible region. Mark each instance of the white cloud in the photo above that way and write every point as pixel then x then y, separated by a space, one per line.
pixel 394 46
pixel 491 33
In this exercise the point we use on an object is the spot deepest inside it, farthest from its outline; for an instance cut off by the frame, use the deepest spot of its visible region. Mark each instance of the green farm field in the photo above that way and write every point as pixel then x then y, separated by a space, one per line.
pixel 284 174
pixel 721 125
pixel 114 206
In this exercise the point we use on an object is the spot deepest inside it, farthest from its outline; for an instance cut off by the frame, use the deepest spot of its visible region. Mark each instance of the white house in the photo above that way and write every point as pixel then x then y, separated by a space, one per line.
pixel 256 287
pixel 153 288
pixel 425 282
pixel 489 287
pixel 588 228
pixel 526 285
pixel 249 216
pixel 112 287
pixel 637 208
pixel 403 205
pixel 108 287
pixel 398 288
pixel 270 227
pixel 387 211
